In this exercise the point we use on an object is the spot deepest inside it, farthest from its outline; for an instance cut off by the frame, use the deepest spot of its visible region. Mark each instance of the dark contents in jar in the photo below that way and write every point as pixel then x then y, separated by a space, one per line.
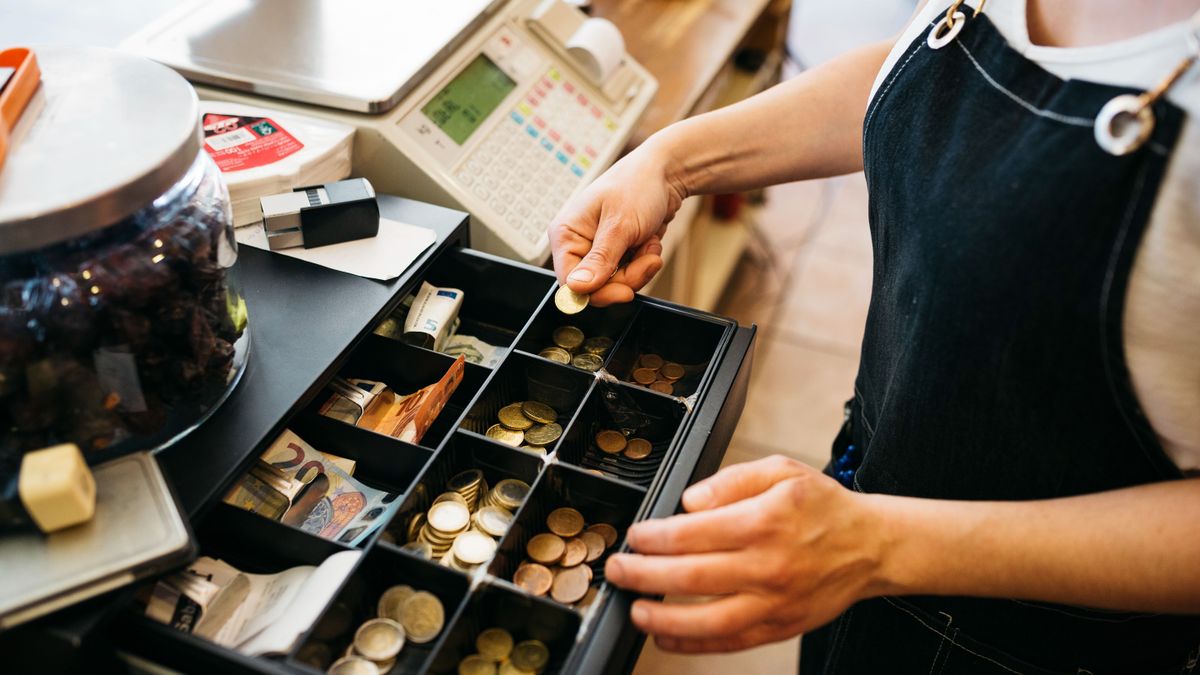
pixel 105 338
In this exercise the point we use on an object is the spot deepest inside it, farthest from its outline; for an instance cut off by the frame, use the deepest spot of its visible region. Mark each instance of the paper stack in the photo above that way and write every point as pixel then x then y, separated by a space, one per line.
pixel 264 152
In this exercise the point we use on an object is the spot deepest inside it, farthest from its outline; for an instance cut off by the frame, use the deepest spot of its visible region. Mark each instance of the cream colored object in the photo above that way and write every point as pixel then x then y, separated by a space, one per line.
pixel 57 487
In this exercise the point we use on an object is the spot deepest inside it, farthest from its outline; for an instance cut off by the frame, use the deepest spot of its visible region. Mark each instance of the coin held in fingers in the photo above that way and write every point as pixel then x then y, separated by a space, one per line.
pixel 570 302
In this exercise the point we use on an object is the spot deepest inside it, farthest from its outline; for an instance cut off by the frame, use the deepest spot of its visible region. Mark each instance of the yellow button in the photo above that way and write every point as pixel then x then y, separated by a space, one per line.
pixel 525 109
pixel 612 126
pixel 584 162
pixel 555 75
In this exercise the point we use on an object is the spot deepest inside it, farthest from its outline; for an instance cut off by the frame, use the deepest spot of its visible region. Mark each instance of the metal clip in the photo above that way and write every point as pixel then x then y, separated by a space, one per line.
pixel 951 25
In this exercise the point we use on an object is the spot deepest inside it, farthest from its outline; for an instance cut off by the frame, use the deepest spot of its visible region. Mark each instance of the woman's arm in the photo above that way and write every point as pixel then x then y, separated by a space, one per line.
pixel 789 549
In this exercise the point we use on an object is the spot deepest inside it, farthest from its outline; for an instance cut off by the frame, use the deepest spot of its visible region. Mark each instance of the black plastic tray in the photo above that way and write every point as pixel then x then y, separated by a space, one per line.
pixel 512 305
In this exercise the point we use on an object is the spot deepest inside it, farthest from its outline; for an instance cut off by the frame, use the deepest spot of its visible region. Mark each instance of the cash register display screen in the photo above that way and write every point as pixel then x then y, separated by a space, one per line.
pixel 471 96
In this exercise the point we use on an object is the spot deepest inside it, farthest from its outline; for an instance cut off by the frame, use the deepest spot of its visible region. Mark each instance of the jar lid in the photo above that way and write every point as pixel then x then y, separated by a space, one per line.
pixel 104 136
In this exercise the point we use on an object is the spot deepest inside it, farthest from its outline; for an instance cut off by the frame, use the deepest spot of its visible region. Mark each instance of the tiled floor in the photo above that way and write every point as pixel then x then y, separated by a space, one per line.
pixel 806 282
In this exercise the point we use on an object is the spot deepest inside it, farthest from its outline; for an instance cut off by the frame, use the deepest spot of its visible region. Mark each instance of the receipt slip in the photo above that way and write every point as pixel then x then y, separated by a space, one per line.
pixel 19 78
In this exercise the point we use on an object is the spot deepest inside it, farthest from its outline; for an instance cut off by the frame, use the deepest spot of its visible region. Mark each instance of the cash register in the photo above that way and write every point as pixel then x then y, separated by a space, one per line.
pixel 503 109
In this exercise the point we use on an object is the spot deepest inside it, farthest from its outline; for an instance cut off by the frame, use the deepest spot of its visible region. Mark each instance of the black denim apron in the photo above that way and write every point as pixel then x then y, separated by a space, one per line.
pixel 992 366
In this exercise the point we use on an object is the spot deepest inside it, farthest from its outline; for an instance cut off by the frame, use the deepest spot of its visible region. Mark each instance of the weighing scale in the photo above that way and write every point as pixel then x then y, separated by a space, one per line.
pixel 503 109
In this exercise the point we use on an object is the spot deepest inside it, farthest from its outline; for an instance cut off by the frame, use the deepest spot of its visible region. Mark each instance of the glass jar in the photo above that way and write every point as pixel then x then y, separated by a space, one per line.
pixel 121 327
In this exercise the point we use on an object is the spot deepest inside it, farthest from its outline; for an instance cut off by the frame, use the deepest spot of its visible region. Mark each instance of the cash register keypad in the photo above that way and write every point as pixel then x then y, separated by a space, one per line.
pixel 530 163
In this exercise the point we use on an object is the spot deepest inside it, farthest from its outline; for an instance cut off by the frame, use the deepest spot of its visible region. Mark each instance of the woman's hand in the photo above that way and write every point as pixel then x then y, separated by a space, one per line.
pixel 625 209
pixel 786 547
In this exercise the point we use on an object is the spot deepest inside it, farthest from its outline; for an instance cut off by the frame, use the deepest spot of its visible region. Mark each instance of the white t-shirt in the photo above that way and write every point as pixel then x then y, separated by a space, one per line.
pixel 1162 311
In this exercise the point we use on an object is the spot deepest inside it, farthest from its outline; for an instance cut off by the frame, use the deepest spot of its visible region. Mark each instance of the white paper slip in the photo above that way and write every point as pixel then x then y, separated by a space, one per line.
pixel 384 256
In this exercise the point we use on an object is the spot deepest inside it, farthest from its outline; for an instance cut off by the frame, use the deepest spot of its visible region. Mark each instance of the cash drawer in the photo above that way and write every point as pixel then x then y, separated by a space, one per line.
pixel 513 305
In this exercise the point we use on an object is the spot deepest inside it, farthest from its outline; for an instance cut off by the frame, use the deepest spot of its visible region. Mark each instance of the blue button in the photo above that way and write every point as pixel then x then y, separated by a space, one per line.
pixel 547 144
pixel 562 157
pixel 516 118
pixel 531 131
pixel 577 170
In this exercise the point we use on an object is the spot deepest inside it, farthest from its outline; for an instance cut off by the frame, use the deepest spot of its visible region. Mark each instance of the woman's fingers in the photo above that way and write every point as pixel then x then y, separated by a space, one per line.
pixel 751 637
pixel 697 574
pixel 737 526
pixel 741 481
pixel 722 617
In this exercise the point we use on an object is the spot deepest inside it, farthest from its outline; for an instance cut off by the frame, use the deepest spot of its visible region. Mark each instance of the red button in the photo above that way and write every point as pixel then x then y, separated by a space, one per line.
pixel 569 87
pixel 591 152
pixel 596 112
pixel 541 123
pixel 582 99
pixel 541 93
pixel 532 100
pixel 547 83
pixel 568 148
pixel 554 136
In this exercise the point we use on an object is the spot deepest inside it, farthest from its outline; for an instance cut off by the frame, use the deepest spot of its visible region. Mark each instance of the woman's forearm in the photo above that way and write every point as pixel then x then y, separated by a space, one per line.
pixel 1134 549
pixel 807 127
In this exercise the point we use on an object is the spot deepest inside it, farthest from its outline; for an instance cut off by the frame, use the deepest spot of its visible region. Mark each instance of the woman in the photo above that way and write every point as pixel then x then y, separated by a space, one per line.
pixel 1027 408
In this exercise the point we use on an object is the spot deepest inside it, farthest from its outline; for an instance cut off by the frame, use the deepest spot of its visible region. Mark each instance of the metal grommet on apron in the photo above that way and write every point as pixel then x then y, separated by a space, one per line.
pixel 1125 122
pixel 950 25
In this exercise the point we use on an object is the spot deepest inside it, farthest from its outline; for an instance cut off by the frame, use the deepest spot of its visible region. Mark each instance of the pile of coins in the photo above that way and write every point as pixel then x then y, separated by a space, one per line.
pixel 560 561
pixel 404 615
pixel 572 347
pixel 463 526
pixel 497 655
pixel 528 425
pixel 613 442
pixel 657 374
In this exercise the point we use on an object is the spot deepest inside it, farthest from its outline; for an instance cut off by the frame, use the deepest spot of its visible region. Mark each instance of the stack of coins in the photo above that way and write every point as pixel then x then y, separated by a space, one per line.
pixel 560 561
pixel 528 425
pixel 572 347
pixel 613 442
pixel 497 655
pixel 659 375
pixel 464 525
pixel 405 615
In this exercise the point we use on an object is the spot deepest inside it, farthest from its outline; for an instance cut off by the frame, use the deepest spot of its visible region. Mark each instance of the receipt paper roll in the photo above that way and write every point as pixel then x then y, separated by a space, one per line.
pixel 598 48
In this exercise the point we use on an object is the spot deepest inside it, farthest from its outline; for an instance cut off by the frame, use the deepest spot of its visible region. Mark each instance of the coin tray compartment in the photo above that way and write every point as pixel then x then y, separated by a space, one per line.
pixel 633 411
pixel 681 337
pixel 600 500
pixel 609 322
pixel 524 377
pixel 358 599
pixel 499 296
pixel 406 369
pixel 462 452
pixel 523 616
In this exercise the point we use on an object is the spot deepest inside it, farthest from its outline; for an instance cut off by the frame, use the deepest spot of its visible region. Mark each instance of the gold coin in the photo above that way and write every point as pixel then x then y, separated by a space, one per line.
pixel 567 337
pixel 494 643
pixel 565 522
pixel 449 516
pixel 644 376
pixel 379 639
pixel 534 578
pixel 530 655
pixel 510 668
pixel 510 492
pixel 424 617
pixel 595 545
pixel 671 371
pixel 465 481
pixel 415 524
pixel 598 345
pixel 546 548
pixel 638 448
pixel 473 548
pixel 651 361
pixel 392 600
pixel 556 354
pixel 610 442
pixel 512 418
pixel 663 387
pixel 353 665
pixel 535 449
pixel 476 664
pixel 574 553
pixel 494 520
pixel 589 362
pixel 569 302
pixel 450 497
pixel 539 412
pixel 608 532
pixel 570 584
pixel 543 434
pixel 497 432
